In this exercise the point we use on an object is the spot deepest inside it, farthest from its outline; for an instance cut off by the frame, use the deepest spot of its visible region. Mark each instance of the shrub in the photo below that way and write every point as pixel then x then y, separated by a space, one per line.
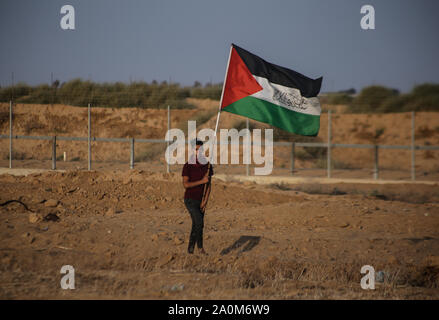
pixel 40 94
pixel 203 117
pixel 394 104
pixel 339 98
pixel 13 93
pixel 209 91
pixel 77 92
pixel 426 89
pixel 424 97
pixel 371 98
pixel 425 103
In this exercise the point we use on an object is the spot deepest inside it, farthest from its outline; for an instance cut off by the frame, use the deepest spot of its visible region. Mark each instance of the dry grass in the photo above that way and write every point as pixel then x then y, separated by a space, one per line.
pixel 424 132
pixel 275 273
pixel 16 155
pixel 131 132
pixel 150 152
pixel 280 186
pixel 428 154
pixel 383 193
pixel 33 124
pixel 4 117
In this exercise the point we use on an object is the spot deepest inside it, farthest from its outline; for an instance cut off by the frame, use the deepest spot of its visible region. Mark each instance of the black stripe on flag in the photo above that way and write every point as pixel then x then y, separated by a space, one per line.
pixel 279 75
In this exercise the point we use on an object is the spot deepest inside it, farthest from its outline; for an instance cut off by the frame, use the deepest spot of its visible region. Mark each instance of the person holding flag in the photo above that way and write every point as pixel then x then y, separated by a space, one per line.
pixel 262 91
pixel 196 181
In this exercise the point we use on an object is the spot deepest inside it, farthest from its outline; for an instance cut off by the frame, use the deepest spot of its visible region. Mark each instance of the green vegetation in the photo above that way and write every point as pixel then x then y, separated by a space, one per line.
pixel 379 99
pixel 371 98
pixel 203 117
pixel 78 92
pixel 209 91
pixel 344 97
pixel 337 98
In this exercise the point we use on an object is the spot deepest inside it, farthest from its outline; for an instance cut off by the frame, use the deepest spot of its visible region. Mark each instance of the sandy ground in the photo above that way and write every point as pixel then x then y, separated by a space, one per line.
pixel 294 236
pixel 125 232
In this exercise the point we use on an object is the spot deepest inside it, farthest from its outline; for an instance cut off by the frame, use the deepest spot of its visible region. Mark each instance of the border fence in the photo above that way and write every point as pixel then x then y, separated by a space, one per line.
pixel 132 141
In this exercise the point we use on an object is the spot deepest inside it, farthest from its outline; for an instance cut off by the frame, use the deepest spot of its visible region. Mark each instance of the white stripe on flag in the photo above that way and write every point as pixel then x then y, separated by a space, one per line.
pixel 289 98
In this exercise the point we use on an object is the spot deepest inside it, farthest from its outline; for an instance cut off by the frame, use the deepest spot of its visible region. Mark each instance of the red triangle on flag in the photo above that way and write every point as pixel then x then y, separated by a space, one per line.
pixel 240 83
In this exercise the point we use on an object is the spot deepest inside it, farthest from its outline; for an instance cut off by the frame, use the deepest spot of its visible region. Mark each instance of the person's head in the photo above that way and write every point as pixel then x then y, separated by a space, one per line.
pixel 198 144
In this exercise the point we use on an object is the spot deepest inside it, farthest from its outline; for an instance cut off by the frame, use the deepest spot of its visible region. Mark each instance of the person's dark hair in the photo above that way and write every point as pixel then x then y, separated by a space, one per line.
pixel 197 142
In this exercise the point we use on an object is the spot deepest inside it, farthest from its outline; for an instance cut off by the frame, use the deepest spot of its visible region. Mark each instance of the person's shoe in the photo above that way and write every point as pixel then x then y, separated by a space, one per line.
pixel 190 250
pixel 203 252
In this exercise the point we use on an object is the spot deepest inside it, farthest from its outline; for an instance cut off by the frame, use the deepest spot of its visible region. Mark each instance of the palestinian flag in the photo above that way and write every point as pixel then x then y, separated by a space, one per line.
pixel 265 92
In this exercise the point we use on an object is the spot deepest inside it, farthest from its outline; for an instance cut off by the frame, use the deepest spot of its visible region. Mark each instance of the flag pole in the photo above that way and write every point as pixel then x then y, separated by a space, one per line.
pixel 222 92
pixel 221 102
pixel 206 189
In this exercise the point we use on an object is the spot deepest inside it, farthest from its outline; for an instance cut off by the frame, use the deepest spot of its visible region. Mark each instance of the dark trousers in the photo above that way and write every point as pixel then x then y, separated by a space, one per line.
pixel 193 206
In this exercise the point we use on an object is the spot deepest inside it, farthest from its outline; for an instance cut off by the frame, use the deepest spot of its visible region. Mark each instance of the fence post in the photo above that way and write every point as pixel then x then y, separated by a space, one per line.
pixel 413 147
pixel 89 141
pixel 329 144
pixel 375 171
pixel 293 146
pixel 54 153
pixel 168 169
pixel 247 166
pixel 132 153
pixel 10 134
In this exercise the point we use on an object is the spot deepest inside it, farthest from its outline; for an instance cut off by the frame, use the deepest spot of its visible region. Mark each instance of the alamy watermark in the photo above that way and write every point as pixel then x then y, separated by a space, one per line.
pixel 367 22
pixel 368 281
pixel 251 147
pixel 68 20
pixel 67 281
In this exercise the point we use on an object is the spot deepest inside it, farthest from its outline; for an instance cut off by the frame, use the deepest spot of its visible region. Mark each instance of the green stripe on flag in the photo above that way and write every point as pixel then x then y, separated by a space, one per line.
pixel 264 111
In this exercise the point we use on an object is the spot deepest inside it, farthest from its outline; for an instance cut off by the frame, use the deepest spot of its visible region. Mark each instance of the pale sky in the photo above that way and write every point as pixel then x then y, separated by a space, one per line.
pixel 189 40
